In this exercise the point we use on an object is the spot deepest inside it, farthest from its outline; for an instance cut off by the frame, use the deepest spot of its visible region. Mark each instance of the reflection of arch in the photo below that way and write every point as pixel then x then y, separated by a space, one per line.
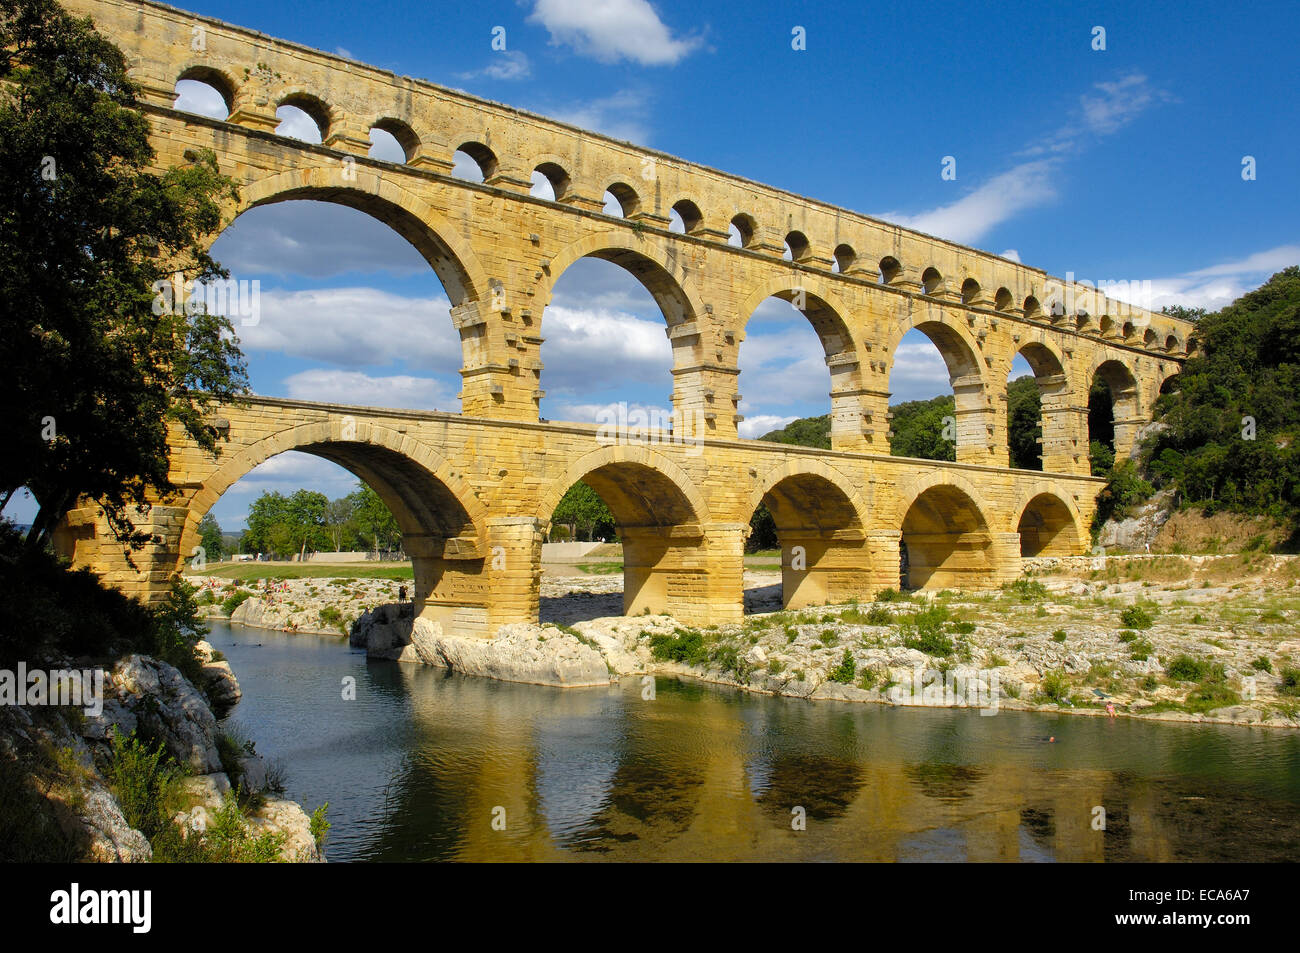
pixel 640 486
pixel 1049 524
pixel 946 534
pixel 218 79
pixel 810 489
pixel 663 275
pixel 414 481
pixel 450 256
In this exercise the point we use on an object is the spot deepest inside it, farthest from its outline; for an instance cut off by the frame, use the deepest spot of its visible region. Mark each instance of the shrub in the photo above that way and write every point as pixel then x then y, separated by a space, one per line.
pixel 682 646
pixel 1054 687
pixel 828 637
pixel 924 631
pixel 1026 590
pixel 868 679
pixel 1135 617
pixel 844 672
pixel 1262 664
pixel 1058 635
pixel 1184 668
pixel 1140 650
pixel 1290 681
pixel 144 780
pixel 776 666
pixel 961 628
pixel 892 595
pixel 320 827
pixel 234 601
pixel 331 616
pixel 1127 635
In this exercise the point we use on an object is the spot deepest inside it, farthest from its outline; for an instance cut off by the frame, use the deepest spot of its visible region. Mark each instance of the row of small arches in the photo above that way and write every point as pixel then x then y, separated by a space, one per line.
pixel 307 117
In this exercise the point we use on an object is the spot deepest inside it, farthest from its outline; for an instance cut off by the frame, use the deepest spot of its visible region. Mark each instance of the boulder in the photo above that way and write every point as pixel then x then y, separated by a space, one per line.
pixel 169 708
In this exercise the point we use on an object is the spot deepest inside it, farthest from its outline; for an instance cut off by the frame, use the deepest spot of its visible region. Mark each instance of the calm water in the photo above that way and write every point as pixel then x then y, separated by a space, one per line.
pixel 416 766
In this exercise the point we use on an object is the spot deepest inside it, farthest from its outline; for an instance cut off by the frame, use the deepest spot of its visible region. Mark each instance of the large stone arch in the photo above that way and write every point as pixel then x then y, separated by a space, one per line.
pixel 1062 424
pixel 651 260
pixel 661 518
pixel 1048 522
pixel 430 504
pixel 949 537
pixel 826 312
pixel 689 500
pixel 976 419
pixel 1127 405
pixel 821 529
pixel 438 242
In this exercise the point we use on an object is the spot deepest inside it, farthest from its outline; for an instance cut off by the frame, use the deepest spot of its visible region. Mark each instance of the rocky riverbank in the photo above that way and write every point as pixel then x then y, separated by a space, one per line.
pixel 70 758
pixel 1198 638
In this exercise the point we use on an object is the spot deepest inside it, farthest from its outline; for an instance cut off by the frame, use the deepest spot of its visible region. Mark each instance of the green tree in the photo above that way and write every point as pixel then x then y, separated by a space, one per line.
pixel 210 538
pixel 375 522
pixel 919 429
pixel 93 376
pixel 582 508
pixel 1232 426
pixel 1024 423
pixel 340 521
pixel 805 432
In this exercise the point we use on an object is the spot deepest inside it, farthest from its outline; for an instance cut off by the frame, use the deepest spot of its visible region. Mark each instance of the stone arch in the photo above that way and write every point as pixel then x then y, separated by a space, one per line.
pixel 692 217
pixel 820 526
pixel 627 198
pixel 320 111
pixel 1057 421
pixel 659 270
pixel 845 257
pixel 947 536
pixel 447 252
pixel 429 502
pixel 400 130
pixel 1048 522
pixel 811 475
pixel 483 156
pixel 687 503
pixel 746 227
pixel 825 312
pixel 213 76
pixel 660 515
pixel 556 173
pixel 966 376
pixel 1126 399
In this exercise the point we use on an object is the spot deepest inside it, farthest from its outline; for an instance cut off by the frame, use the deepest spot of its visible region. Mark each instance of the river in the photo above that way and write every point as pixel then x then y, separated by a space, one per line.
pixel 423 765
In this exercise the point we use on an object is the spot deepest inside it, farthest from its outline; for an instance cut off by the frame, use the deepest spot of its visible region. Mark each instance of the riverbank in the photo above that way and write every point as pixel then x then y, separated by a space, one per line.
pixel 82 785
pixel 1180 638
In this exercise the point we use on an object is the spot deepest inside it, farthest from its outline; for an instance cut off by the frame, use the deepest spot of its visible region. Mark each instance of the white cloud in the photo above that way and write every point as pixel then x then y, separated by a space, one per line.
pixel 612 411
pixel 591 350
pixel 918 371
pixel 354 387
pixel 975 214
pixel 620 115
pixel 504 65
pixel 1103 111
pixel 1011 255
pixel 613 30
pixel 753 427
pixel 315 240
pixel 355 327
pixel 1212 287
pixel 296 124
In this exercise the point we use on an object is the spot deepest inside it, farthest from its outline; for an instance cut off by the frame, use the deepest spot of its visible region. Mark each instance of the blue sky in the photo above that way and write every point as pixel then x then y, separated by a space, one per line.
pixel 1122 163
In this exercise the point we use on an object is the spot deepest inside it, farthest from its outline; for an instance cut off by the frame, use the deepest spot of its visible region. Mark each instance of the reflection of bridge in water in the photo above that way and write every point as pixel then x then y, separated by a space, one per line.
pixel 474 492
pixel 701 773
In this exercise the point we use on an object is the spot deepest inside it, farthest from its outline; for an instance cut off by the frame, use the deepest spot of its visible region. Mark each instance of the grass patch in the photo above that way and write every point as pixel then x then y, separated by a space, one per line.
pixel 845 670
pixel 601 569
pixel 1136 617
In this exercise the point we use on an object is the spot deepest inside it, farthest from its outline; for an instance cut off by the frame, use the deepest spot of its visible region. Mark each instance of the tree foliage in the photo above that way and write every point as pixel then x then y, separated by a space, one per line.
pixel 1232 422
pixel 805 432
pixel 93 376
pixel 918 429
pixel 1025 423
pixel 582 509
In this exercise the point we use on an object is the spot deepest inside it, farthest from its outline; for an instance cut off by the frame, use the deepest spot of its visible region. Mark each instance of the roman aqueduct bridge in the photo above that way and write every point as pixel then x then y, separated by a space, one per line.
pixel 474 491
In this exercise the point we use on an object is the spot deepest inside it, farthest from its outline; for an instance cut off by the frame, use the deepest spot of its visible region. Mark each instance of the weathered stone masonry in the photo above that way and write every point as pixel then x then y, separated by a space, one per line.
pixel 474 491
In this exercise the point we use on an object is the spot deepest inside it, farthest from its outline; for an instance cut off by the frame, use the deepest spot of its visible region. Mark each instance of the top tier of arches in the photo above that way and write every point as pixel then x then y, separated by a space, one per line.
pixel 255 75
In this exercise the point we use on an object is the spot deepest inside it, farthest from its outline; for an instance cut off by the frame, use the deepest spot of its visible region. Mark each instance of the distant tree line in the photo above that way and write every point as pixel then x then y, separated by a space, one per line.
pixel 306 521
